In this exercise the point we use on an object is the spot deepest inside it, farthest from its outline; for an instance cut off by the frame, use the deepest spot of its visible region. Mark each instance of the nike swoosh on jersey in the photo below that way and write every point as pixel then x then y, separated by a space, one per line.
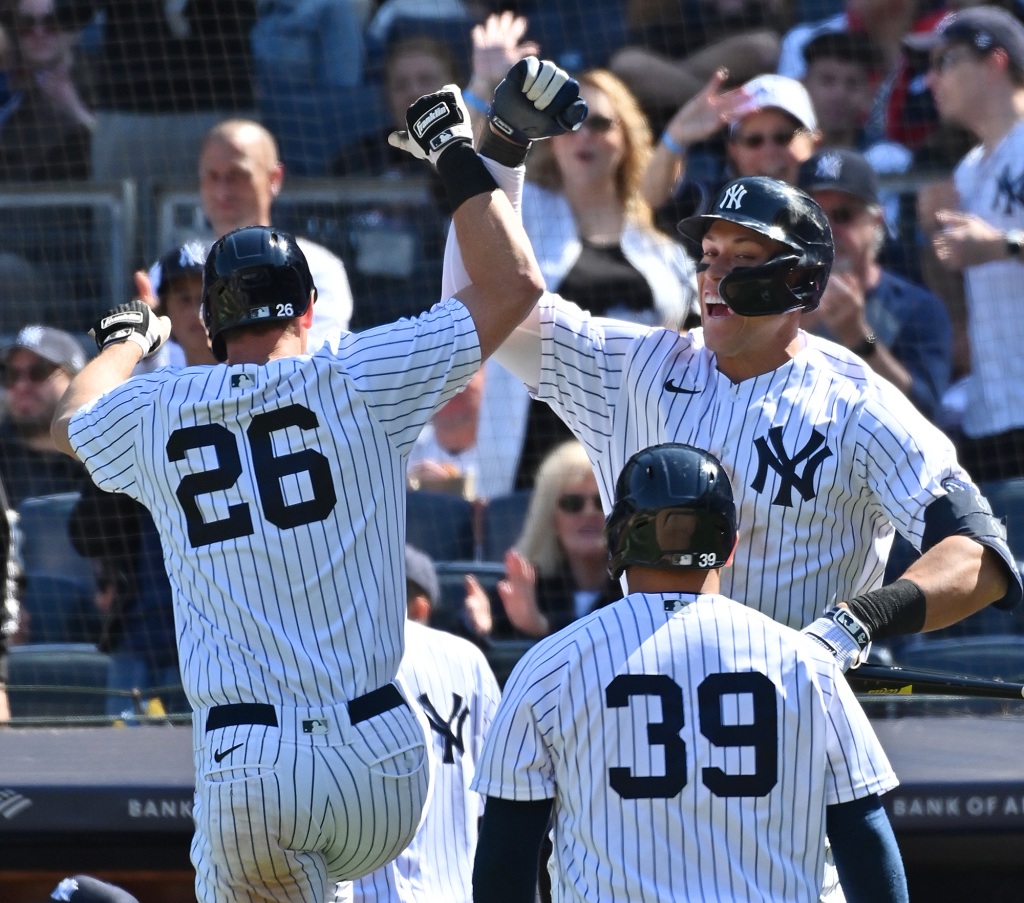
pixel 218 756
pixel 679 390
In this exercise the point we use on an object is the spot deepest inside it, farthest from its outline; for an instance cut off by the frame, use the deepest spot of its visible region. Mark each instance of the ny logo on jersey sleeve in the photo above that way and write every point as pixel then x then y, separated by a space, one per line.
pixel 812 456
pixel 450 729
pixel 1009 192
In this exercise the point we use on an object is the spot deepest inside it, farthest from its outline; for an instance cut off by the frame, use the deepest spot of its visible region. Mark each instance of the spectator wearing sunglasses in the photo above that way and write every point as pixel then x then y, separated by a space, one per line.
pixel 768 125
pixel 899 328
pixel 589 225
pixel 46 123
pixel 557 571
pixel 35 370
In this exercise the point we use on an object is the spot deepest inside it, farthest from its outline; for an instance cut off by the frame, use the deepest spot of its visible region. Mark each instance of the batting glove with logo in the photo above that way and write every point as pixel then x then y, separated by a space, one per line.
pixel 132 322
pixel 436 123
pixel 842 634
pixel 536 100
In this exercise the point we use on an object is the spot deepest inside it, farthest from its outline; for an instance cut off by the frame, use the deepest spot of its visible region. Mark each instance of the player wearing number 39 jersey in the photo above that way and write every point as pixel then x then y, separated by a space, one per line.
pixel 277 483
pixel 685 746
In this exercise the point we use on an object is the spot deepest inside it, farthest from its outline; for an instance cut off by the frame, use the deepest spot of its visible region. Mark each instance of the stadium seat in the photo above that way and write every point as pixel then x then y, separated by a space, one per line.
pixel 451 578
pixel 59 611
pixel 503 656
pixel 150 147
pixel 1007 500
pixel 999 657
pixel 311 128
pixel 440 525
pixel 503 520
pixel 46 545
pixel 57 680
pixel 59 583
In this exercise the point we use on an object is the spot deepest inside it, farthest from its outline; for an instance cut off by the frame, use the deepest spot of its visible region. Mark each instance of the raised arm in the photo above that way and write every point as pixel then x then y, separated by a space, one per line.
pixel 535 101
pixel 124 336
pixel 503 278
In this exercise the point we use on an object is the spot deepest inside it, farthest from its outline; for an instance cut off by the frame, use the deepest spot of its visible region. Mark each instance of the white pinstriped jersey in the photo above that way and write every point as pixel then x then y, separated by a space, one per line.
pixel 279 494
pixel 698 743
pixel 457 691
pixel 824 456
pixel 992 186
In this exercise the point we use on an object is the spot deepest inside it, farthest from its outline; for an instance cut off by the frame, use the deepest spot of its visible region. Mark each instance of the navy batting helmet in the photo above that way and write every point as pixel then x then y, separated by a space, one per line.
pixel 253 275
pixel 673 509
pixel 793 279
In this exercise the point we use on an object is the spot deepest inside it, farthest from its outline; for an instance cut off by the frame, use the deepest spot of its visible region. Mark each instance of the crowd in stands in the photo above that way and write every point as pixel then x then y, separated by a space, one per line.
pixel 847 100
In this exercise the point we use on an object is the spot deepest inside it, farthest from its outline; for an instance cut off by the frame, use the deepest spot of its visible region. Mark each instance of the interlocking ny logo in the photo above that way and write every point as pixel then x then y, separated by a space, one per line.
pixel 812 456
pixel 1009 191
pixel 452 738
pixel 733 197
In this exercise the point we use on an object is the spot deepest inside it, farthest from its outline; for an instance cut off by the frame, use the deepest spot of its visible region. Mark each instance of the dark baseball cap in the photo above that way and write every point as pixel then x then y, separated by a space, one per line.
pixel 86 889
pixel 419 569
pixel 982 27
pixel 847 46
pixel 839 169
pixel 53 345
pixel 188 260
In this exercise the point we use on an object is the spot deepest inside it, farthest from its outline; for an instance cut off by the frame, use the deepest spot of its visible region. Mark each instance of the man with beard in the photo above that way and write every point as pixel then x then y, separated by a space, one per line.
pixel 35 370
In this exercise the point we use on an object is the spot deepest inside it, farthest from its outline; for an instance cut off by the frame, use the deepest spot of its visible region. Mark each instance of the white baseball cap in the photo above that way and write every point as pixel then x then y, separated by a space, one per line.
pixel 781 92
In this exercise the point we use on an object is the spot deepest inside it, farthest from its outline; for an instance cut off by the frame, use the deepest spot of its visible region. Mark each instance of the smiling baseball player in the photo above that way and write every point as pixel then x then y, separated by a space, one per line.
pixel 827 458
pixel 685 746
pixel 277 483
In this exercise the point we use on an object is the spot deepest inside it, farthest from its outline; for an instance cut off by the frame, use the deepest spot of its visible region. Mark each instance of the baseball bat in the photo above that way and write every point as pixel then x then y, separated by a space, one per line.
pixel 892 680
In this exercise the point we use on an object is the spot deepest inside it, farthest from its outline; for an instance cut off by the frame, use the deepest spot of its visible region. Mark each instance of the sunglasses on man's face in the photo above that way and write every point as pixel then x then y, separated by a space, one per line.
pixel 843 216
pixel 25 23
pixel 757 139
pixel 574 502
pixel 39 372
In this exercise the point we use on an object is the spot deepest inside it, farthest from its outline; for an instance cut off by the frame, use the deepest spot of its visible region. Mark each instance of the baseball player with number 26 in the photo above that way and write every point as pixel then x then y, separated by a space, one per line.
pixel 686 746
pixel 277 483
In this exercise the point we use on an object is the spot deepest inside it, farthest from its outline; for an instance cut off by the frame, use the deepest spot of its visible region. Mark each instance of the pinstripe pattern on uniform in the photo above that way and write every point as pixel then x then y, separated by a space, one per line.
pixel 825 458
pixel 353 794
pixel 337 580
pixel 555 728
pixel 451 676
pixel 989 185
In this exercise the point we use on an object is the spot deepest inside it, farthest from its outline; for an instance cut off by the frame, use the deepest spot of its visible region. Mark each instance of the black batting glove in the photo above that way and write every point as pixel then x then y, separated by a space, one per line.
pixel 132 322
pixel 536 100
pixel 436 123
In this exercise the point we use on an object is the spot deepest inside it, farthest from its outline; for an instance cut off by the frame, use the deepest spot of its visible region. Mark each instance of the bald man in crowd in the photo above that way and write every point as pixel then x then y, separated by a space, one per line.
pixel 240 175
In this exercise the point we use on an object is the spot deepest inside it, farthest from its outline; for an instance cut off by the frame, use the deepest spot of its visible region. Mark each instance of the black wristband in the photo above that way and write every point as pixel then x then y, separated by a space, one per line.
pixel 892 610
pixel 503 151
pixel 463 174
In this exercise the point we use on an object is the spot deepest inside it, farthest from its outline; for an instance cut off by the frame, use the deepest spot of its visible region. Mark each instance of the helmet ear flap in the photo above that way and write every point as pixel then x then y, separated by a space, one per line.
pixel 779 286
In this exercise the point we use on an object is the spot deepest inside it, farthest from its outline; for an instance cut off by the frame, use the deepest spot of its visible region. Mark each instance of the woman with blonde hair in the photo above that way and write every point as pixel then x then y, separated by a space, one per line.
pixel 557 570
pixel 590 227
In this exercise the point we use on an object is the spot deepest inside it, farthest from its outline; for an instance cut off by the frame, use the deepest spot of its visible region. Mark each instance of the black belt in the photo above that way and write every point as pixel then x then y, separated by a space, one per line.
pixel 383 699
